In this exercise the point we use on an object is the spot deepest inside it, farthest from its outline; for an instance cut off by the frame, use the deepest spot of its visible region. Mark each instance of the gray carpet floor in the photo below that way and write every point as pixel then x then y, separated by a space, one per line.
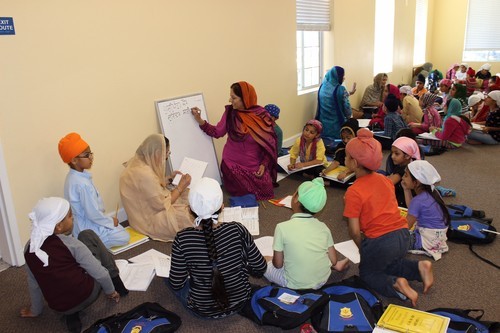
pixel 461 279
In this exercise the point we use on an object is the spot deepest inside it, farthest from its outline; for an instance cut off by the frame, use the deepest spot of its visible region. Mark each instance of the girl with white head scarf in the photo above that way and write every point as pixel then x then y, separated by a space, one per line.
pixel 426 209
pixel 211 261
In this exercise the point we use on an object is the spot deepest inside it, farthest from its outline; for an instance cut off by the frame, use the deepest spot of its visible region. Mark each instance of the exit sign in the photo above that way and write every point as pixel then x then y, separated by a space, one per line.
pixel 7 26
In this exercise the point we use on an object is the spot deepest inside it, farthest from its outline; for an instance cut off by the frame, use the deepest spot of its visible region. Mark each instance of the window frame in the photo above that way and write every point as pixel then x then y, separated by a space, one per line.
pixel 301 69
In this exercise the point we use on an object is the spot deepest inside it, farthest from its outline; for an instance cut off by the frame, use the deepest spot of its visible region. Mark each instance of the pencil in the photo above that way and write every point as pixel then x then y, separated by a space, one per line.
pixel 117 208
pixel 263 204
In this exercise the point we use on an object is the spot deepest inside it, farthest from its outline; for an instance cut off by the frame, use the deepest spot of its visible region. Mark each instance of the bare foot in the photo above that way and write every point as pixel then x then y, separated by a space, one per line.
pixel 341 265
pixel 425 269
pixel 404 288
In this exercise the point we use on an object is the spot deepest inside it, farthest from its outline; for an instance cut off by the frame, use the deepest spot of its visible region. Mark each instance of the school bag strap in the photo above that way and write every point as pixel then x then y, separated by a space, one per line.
pixel 461 320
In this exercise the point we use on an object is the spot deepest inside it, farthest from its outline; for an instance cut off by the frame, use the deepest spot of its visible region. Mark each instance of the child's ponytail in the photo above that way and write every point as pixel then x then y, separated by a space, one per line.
pixel 435 194
pixel 218 288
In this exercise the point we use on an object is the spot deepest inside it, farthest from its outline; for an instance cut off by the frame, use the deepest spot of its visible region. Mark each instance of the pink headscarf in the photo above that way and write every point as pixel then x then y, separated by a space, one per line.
pixel 408 146
pixel 365 150
pixel 446 82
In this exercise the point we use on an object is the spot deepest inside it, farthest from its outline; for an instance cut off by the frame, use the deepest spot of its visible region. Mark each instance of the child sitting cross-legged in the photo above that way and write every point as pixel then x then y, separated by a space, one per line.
pixel 309 150
pixel 67 272
pixel 303 246
pixel 426 210
pixel 377 227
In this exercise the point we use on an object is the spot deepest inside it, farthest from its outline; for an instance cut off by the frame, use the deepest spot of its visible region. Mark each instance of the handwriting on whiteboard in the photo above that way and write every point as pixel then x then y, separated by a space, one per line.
pixel 174 109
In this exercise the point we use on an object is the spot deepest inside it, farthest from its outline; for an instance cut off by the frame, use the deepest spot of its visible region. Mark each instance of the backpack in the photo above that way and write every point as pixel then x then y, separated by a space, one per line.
pixel 271 305
pixel 145 318
pixel 462 321
pixel 471 230
pixel 352 307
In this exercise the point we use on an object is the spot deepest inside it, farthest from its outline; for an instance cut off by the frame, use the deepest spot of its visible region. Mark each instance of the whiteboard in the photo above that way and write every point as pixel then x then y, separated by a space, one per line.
pixel 185 136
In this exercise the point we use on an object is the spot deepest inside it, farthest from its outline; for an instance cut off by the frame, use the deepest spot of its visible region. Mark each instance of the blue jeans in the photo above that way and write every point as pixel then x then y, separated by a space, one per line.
pixel 482 137
pixel 383 261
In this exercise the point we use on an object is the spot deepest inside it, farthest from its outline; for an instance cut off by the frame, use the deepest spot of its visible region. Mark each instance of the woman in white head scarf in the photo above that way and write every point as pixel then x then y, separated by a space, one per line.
pixel 490 133
pixel 426 209
pixel 151 207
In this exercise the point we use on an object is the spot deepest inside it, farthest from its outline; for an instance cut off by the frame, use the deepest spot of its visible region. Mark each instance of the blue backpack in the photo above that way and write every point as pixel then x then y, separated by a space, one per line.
pixel 352 307
pixel 268 306
pixel 462 322
pixel 147 317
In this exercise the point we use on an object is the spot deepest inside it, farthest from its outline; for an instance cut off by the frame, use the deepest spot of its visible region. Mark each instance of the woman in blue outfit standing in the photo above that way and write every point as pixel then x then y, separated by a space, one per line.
pixel 333 105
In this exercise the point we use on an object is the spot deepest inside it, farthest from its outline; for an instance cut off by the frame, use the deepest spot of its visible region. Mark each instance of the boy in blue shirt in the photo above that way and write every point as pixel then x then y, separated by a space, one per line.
pixel 79 190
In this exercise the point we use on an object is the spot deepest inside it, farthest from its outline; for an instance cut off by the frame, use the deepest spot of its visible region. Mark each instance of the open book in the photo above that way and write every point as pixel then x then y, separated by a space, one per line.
pixel 135 277
pixel 136 238
pixel 265 245
pixel 284 161
pixel 398 318
pixel 248 216
pixel 428 136
pixel 333 174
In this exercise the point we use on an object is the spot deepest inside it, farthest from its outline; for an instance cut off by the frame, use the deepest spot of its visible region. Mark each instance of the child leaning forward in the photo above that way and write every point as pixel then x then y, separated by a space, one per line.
pixel 376 226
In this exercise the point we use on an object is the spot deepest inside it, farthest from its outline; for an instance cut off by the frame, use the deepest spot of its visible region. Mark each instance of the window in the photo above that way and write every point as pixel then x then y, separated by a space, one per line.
pixel 482 34
pixel 384 36
pixel 309 64
pixel 419 46
pixel 313 17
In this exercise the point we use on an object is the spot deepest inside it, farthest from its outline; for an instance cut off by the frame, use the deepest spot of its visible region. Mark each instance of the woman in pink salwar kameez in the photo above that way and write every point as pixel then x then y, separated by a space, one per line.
pixel 249 156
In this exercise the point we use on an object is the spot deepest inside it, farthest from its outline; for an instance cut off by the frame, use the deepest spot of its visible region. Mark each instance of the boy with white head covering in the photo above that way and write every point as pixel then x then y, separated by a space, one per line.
pixel 67 272
pixel 426 210
pixel 211 261
pixel 303 246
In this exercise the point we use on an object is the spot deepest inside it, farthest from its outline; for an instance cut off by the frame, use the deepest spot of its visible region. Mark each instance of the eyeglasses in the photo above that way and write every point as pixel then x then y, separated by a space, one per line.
pixel 86 155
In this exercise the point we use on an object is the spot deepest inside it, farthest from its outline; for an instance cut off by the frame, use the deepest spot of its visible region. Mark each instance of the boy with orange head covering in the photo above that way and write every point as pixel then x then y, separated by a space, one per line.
pixel 80 191
pixel 376 226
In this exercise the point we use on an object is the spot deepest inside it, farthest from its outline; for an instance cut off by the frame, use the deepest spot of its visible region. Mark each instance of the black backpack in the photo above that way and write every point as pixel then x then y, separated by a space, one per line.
pixel 462 322
pixel 269 306
pixel 352 307
pixel 145 318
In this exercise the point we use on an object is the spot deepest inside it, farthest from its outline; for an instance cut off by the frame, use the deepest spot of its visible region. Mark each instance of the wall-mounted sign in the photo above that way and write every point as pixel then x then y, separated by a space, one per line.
pixel 7 26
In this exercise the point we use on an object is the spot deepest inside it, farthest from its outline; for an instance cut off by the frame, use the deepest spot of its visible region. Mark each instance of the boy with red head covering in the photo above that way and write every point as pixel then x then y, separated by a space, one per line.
pixel 80 191
pixel 376 226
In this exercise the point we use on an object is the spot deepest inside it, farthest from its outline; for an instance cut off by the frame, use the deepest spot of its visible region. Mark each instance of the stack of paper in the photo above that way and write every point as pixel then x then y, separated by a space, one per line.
pixel 195 168
pixel 135 277
pixel 265 245
pixel 136 238
pixel 160 261
pixel 248 216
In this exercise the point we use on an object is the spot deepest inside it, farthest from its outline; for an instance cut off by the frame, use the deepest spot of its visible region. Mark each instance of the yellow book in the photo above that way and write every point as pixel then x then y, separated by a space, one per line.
pixel 334 174
pixel 136 238
pixel 402 319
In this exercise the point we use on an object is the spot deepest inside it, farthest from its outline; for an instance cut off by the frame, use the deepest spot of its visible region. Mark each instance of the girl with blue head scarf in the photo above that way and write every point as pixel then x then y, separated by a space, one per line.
pixel 333 105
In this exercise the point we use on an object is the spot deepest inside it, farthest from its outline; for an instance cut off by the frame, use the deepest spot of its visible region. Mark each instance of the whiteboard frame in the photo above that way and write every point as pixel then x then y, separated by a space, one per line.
pixel 178 152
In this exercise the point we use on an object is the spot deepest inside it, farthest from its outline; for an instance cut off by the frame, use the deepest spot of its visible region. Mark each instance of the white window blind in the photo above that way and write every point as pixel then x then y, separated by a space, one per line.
pixel 483 26
pixel 384 36
pixel 313 15
pixel 419 46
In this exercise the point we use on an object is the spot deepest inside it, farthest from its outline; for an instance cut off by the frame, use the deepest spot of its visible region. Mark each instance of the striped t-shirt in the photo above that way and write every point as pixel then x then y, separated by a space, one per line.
pixel 237 258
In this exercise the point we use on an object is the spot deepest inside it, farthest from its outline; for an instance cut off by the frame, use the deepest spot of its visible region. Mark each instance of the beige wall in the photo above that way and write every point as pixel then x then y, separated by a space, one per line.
pixel 448 35
pixel 353 36
pixel 96 67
